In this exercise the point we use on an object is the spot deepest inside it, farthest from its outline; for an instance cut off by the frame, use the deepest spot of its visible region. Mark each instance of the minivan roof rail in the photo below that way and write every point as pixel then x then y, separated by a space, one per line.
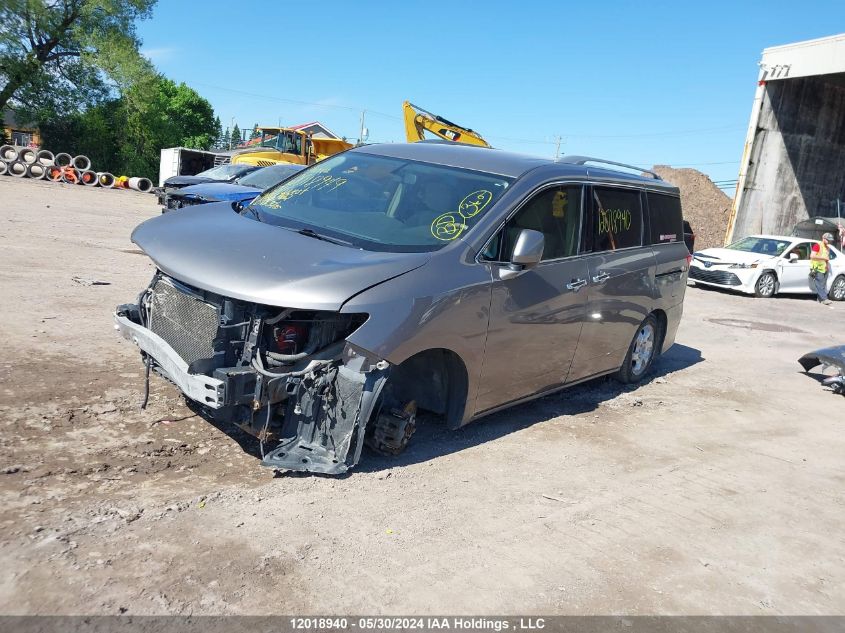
pixel 582 160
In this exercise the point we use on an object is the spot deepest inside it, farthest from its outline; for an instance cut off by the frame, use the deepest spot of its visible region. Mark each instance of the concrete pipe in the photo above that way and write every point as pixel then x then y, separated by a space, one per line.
pixel 45 157
pixel 140 184
pixel 62 159
pixel 36 171
pixel 55 173
pixel 89 178
pixel 106 179
pixel 18 169
pixel 70 176
pixel 8 153
pixel 27 155
pixel 4 168
pixel 81 162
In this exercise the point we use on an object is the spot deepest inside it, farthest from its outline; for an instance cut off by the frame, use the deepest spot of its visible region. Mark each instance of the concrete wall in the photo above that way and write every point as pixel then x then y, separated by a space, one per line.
pixel 797 161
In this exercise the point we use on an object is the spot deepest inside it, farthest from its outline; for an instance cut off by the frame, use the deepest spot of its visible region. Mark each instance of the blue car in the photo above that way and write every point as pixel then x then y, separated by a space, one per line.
pixel 247 188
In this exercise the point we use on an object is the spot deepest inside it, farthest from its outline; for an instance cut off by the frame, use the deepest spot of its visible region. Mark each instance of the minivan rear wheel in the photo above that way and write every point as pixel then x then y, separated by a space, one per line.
pixel 641 353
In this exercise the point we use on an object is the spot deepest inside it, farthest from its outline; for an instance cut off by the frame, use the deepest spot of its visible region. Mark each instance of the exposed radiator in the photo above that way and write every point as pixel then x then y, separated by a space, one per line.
pixel 186 322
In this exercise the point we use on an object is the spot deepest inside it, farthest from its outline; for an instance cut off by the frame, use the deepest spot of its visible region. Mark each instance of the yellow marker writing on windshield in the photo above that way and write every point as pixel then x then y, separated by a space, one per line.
pixel 447 227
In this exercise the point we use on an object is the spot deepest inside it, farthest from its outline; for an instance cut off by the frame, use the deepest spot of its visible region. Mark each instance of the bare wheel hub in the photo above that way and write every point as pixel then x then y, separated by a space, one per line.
pixel 392 430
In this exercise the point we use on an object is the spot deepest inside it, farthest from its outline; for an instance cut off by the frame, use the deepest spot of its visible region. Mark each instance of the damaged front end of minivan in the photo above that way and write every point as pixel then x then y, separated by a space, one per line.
pixel 285 375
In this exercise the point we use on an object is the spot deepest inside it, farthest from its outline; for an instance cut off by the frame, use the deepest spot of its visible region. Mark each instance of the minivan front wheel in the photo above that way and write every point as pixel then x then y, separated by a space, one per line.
pixel 641 352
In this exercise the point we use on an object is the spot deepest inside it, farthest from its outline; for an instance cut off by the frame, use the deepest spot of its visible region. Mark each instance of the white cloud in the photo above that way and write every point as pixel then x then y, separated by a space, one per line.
pixel 158 54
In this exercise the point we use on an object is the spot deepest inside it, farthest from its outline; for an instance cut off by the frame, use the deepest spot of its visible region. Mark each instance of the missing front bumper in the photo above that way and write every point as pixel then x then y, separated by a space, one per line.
pixel 316 419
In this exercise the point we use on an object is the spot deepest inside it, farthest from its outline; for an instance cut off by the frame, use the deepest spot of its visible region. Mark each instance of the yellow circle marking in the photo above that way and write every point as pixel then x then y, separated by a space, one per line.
pixel 474 203
pixel 447 226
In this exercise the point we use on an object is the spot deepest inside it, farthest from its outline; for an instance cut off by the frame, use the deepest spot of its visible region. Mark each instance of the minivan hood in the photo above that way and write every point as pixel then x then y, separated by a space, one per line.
pixel 213 248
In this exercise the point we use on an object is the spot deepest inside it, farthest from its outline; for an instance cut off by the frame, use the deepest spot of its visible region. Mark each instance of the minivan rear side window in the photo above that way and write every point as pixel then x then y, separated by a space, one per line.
pixel 617 219
pixel 666 223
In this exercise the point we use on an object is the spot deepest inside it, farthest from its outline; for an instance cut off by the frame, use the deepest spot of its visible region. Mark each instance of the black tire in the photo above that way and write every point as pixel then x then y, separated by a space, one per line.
pixel 837 289
pixel 766 286
pixel 643 350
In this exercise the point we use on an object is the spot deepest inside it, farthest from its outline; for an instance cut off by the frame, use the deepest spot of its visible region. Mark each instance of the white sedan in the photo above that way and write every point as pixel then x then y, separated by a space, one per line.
pixel 764 265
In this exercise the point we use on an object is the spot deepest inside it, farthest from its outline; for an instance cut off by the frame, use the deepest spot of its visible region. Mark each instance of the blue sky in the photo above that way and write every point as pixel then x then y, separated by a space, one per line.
pixel 640 82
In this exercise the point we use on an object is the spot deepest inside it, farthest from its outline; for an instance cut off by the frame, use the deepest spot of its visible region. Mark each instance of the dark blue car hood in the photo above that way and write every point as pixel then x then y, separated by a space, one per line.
pixel 220 191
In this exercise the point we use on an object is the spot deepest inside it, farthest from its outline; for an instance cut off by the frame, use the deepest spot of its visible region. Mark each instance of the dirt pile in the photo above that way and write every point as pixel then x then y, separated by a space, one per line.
pixel 705 206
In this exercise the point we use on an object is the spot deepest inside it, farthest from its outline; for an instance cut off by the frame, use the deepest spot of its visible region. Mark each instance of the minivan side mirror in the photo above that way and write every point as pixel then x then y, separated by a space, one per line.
pixel 528 250
pixel 527 253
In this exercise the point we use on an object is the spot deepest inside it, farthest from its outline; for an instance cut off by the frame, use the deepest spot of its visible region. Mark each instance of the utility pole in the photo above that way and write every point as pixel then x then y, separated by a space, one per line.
pixel 361 134
pixel 558 141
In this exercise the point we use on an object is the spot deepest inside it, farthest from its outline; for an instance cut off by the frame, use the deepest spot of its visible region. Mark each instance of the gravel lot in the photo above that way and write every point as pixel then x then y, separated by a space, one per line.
pixel 716 488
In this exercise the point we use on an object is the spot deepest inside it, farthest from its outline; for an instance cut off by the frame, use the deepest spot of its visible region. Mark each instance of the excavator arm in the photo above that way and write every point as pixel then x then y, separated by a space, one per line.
pixel 418 121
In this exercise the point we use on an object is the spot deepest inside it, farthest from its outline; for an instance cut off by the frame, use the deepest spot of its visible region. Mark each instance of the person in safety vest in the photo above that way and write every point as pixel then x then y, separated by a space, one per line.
pixel 820 267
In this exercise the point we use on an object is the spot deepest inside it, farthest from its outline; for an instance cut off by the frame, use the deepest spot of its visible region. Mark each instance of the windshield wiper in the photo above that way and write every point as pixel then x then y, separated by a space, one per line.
pixel 247 209
pixel 320 236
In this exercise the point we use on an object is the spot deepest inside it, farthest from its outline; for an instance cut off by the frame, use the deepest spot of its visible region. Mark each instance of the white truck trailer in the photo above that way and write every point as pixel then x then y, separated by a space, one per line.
pixel 793 163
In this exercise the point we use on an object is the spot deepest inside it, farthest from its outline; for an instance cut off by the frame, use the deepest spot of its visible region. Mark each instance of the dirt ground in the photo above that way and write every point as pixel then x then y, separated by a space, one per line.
pixel 716 488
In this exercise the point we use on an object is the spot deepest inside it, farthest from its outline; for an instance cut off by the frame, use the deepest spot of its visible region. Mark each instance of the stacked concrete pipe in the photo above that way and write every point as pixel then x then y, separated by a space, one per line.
pixel 27 155
pixel 89 178
pixel 37 171
pixel 4 167
pixel 70 176
pixel 105 179
pixel 140 184
pixel 45 157
pixel 8 153
pixel 17 169
pixel 62 159
pixel 81 162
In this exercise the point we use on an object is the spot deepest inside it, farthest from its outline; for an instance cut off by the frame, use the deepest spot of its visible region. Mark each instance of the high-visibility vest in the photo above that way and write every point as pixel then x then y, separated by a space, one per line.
pixel 818 265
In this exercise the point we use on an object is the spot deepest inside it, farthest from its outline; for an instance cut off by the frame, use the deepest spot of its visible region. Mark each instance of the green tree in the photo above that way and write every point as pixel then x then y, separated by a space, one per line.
pixel 126 135
pixel 255 133
pixel 218 132
pixel 236 137
pixel 223 141
pixel 59 55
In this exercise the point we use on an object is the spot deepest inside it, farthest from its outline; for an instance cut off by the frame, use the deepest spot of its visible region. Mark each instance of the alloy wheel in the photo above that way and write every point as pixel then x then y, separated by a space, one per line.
pixel 837 290
pixel 643 349
pixel 766 285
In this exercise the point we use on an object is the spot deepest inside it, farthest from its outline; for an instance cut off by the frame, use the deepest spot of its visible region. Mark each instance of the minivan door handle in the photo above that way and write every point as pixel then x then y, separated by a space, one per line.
pixel 576 284
pixel 601 277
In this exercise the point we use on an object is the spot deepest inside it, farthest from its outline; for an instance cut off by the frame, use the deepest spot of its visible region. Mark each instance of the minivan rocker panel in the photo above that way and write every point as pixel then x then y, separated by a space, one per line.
pixel 514 277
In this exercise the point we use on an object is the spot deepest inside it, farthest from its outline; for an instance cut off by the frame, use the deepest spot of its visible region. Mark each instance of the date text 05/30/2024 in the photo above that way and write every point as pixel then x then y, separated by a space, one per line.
pixel 417 623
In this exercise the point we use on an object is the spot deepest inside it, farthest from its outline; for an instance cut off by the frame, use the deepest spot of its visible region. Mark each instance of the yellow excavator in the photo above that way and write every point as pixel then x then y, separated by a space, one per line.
pixel 419 121
pixel 285 145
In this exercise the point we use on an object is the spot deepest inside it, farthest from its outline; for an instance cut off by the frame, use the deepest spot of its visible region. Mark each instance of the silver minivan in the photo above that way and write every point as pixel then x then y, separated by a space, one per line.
pixel 396 278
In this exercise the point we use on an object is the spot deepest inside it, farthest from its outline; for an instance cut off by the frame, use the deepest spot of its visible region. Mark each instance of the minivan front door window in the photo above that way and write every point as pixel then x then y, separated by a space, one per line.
pixel 555 212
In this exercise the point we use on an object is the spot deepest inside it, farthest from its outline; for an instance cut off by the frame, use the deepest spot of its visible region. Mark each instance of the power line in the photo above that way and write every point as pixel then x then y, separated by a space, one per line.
pixel 394 117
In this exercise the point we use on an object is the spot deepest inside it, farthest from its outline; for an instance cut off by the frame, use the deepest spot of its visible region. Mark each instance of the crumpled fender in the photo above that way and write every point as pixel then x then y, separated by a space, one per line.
pixel 832 356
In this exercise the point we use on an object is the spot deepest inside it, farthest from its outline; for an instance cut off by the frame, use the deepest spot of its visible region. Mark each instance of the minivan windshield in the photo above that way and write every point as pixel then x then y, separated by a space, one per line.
pixel 761 245
pixel 381 203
